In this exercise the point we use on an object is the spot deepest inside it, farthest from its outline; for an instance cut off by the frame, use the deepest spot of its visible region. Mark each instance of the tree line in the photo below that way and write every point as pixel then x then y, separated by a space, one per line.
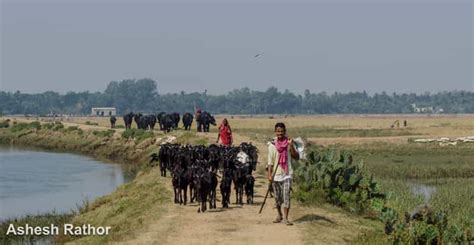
pixel 141 95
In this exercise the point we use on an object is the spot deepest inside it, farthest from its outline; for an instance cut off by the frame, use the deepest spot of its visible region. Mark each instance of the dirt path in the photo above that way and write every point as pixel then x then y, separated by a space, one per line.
pixel 243 224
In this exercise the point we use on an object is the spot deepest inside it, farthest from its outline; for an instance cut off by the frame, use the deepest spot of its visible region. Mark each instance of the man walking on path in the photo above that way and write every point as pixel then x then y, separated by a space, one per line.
pixel 280 153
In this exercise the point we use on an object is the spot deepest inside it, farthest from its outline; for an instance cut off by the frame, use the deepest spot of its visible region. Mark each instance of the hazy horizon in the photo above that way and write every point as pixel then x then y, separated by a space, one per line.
pixel 192 46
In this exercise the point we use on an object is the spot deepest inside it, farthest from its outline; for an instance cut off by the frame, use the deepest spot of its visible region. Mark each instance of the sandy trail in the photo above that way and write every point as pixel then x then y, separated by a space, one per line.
pixel 235 225
pixel 243 224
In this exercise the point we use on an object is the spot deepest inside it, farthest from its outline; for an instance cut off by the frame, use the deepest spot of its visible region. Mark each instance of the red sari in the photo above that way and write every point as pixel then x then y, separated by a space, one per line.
pixel 225 133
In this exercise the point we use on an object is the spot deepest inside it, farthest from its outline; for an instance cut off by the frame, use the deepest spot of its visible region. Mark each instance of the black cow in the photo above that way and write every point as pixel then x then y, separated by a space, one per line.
pixel 212 191
pixel 187 120
pixel 249 184
pixel 138 118
pixel 175 120
pixel 151 120
pixel 180 185
pixel 240 175
pixel 203 188
pixel 168 122
pixel 112 121
pixel 160 117
pixel 127 119
pixel 225 187
pixel 205 119
pixel 154 158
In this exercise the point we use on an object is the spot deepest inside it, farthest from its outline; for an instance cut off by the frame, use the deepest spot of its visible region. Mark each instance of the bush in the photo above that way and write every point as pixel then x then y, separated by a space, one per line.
pixel 339 179
pixel 138 134
pixel 22 126
pixel 58 126
pixel 104 133
pixel 48 125
pixel 72 128
pixel 91 123
pixel 4 124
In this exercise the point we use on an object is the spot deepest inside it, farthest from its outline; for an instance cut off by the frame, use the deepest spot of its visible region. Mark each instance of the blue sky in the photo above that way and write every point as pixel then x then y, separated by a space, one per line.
pixel 393 46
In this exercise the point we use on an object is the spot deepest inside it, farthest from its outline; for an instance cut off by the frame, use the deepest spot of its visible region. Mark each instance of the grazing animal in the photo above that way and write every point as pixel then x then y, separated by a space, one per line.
pixel 225 187
pixel 203 188
pixel 160 117
pixel 239 182
pixel 112 121
pixel 168 122
pixel 205 119
pixel 175 120
pixel 249 185
pixel 187 120
pixel 127 119
pixel 154 158
pixel 212 191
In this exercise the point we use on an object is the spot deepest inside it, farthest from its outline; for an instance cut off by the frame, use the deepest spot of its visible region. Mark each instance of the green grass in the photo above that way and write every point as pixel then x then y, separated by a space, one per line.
pixel 138 134
pixel 130 207
pixel 414 161
pixel 104 133
pixel 41 220
pixel 449 170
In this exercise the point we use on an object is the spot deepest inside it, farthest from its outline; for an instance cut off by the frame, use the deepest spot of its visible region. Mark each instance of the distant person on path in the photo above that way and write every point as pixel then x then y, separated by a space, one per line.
pixel 225 133
pixel 280 153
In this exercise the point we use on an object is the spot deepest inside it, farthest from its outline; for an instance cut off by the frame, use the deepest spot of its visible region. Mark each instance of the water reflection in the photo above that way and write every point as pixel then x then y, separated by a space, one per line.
pixel 33 182
pixel 423 190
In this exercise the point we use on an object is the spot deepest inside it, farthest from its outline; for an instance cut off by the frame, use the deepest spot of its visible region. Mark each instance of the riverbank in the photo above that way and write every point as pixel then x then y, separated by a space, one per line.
pixel 131 207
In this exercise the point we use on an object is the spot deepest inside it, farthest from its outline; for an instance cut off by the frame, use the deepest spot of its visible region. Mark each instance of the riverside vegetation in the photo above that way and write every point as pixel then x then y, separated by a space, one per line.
pixel 137 199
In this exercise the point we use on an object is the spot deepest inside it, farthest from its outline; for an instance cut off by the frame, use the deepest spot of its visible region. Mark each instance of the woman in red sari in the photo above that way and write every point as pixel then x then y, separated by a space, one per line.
pixel 225 133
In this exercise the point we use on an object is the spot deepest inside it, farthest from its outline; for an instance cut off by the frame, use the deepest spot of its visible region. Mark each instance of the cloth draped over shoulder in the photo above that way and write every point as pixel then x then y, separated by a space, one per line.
pixel 285 171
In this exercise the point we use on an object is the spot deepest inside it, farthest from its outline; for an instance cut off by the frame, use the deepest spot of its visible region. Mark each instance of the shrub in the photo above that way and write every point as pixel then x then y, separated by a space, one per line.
pixel 58 126
pixel 343 182
pixel 91 123
pixel 104 133
pixel 22 126
pixel 4 124
pixel 138 134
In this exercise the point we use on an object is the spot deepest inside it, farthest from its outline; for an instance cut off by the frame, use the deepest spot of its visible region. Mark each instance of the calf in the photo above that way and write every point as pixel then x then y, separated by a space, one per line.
pixel 203 188
pixel 212 191
pixel 239 182
pixel 180 185
pixel 249 184
pixel 225 187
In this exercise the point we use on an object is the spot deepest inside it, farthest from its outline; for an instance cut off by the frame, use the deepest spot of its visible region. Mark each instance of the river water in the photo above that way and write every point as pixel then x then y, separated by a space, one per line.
pixel 33 182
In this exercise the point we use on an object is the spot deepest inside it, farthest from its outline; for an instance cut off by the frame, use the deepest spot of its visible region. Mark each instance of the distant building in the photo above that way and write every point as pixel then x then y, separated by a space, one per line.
pixel 103 111
pixel 429 109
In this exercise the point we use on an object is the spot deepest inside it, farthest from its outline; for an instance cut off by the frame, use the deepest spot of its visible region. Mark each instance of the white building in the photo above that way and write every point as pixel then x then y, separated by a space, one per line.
pixel 103 111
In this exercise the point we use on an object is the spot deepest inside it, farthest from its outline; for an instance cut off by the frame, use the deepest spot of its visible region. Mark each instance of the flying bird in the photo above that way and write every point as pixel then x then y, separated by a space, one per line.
pixel 257 55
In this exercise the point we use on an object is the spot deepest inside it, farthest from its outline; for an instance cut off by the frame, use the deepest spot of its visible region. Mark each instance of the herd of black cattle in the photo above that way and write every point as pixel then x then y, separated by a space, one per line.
pixel 167 121
pixel 198 169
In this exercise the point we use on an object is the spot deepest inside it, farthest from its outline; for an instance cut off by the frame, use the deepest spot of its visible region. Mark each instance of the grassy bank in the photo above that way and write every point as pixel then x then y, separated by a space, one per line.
pixel 410 174
pixel 128 209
